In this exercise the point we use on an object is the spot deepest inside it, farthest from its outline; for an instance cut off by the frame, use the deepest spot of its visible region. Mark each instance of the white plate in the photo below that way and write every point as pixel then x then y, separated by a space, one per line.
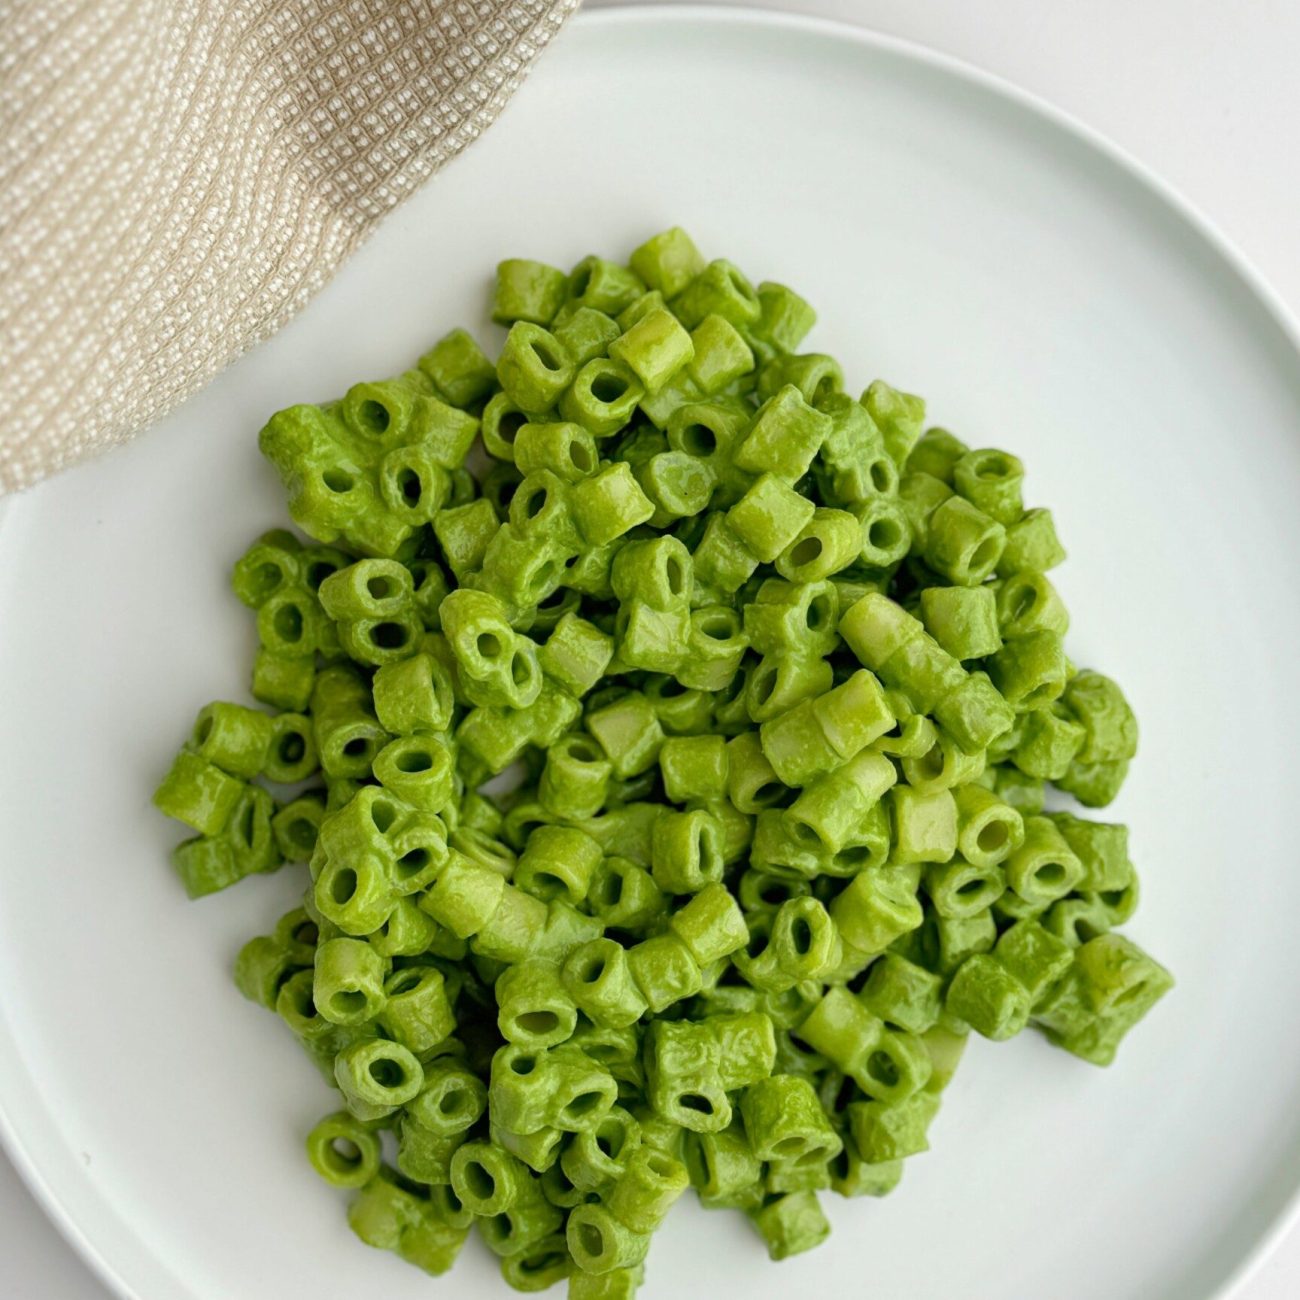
pixel 962 241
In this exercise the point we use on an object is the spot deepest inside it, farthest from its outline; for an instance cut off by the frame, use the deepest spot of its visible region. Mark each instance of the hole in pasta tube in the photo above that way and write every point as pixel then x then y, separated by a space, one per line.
pixel 501 494
pixel 521 670
pixel 992 467
pixel 695 1101
pixel 308 932
pixel 412 863
pixel 479 1181
pixel 580 457
pixel 373 417
pixel 801 936
pixel 292 747
pixel 414 760
pixel 1050 875
pixel 584 1103
pixel 543 576
pixel 662 1166
pixel 488 645
pixel 343 886
pixel 806 551
pixel 404 982
pixel 338 480
pixel 389 636
pixel 591 1241
pixel 882 475
pixel 348 1002
pixel 356 747
pixel 387 1073
pixel 883 534
pixel 805 833
pixel 608 388
pixel 789 1148
pixel 549 883
pixel 673 573
pixel 509 425
pixel 983 556
pixel 1022 598
pixel 344 1153
pixel 537 1022
pixel 380 586
pixel 536 503
pixel 610 1137
pixel 409 485
pixel 819 613
pixel 268 578
pixel 992 837
pixel 453 1101
pixel 699 440
pixel 523 1064
pixel 544 355
pixel 289 623
pixel 383 814
pixel 882 1067
pixel 318 571
pixel 248 825
pixel 969 888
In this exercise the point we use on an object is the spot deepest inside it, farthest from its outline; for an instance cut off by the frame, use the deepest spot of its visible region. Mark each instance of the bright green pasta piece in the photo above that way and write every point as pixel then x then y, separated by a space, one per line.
pixel 344 1151
pixel 1110 986
pixel 791 1224
pixel 458 369
pixel 963 620
pixel 1032 545
pixel 528 291
pixel 937 453
pixel 198 793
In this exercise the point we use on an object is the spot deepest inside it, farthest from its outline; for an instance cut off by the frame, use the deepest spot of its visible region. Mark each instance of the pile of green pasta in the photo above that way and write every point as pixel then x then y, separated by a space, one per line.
pixel 777 681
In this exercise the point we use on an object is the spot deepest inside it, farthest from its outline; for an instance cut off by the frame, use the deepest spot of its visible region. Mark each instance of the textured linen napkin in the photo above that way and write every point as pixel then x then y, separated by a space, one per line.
pixel 178 177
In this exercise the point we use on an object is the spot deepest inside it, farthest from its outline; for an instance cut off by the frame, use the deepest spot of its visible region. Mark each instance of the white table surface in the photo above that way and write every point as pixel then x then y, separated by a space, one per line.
pixel 1202 91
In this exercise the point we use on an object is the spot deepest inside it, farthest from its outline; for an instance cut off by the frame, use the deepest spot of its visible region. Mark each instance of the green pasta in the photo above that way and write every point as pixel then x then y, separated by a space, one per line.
pixel 775 685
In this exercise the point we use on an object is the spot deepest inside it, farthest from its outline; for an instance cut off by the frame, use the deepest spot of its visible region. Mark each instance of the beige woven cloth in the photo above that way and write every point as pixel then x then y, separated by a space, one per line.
pixel 178 177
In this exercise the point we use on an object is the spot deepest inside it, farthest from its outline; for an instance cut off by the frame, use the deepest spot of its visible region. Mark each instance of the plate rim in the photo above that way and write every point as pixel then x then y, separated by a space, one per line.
pixel 1287 1216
